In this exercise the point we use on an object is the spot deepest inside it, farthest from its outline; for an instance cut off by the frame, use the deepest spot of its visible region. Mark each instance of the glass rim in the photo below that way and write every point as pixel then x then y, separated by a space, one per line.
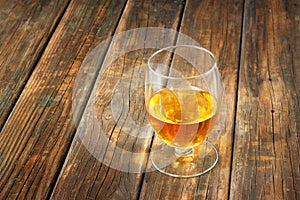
pixel 214 65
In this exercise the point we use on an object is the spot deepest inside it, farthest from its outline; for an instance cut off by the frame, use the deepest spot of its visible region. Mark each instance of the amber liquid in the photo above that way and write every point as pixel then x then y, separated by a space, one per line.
pixel 182 117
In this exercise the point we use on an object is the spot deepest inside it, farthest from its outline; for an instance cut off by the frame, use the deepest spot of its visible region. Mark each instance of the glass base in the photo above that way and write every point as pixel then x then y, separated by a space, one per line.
pixel 195 162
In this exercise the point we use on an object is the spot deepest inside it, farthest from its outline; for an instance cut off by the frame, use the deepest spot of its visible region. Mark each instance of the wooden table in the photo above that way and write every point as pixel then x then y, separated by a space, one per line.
pixel 43 45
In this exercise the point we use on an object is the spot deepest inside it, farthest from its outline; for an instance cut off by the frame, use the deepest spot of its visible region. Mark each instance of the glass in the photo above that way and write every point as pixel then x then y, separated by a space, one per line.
pixel 183 96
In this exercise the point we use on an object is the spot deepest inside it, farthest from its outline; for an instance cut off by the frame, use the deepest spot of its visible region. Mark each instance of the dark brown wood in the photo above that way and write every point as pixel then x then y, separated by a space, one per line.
pixel 102 182
pixel 25 30
pixel 216 25
pixel 266 147
pixel 36 137
pixel 42 47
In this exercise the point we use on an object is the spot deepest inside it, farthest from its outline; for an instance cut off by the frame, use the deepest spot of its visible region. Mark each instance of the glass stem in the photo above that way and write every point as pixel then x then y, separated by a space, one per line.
pixel 184 152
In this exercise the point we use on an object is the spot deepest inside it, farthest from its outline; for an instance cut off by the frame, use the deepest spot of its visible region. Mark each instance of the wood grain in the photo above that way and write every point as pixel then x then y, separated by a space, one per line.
pixel 216 25
pixel 102 182
pixel 26 27
pixel 266 147
pixel 42 47
pixel 36 137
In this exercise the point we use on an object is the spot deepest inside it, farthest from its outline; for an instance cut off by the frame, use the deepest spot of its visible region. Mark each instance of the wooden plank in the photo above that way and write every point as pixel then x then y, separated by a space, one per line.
pixel 217 26
pixel 266 148
pixel 83 173
pixel 24 33
pixel 35 139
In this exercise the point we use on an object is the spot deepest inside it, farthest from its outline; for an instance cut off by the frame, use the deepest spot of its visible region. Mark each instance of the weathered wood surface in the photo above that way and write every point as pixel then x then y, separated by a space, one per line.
pixel 266 162
pixel 37 135
pixel 42 153
pixel 25 29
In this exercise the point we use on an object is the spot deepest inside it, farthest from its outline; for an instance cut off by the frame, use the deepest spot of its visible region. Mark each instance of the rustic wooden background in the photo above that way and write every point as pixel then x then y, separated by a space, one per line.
pixel 43 44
